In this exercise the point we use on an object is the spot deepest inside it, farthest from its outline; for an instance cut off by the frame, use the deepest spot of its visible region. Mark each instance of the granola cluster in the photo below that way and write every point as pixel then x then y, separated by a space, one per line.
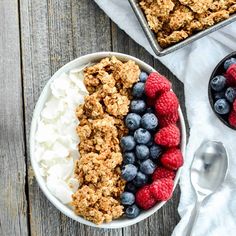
pixel 175 20
pixel 100 129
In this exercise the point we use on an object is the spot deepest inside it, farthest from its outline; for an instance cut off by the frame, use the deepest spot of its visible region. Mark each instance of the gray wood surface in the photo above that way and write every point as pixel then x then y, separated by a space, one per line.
pixel 13 203
pixel 36 39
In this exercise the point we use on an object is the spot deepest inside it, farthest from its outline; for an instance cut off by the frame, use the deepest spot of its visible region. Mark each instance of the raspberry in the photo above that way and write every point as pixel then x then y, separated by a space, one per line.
pixel 172 159
pixel 232 119
pixel 156 84
pixel 234 105
pixel 231 75
pixel 168 119
pixel 168 136
pixel 144 199
pixel 162 189
pixel 162 172
pixel 167 103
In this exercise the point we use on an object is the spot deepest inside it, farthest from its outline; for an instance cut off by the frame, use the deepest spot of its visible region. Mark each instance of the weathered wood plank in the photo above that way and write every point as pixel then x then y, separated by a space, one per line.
pixel 91 28
pixel 36 72
pixel 13 204
pixel 89 32
pixel 53 33
pixel 164 221
pixel 168 217
pixel 122 43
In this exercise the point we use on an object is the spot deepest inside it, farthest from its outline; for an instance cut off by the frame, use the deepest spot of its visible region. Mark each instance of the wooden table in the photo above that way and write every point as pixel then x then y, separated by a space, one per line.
pixel 36 39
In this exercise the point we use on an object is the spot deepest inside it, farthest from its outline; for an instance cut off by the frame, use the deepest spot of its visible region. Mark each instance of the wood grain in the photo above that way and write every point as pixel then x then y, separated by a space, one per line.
pixel 44 218
pixel 13 204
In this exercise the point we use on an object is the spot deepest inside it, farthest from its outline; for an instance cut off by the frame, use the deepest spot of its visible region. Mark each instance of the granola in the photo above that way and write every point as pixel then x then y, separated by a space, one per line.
pixel 175 20
pixel 198 6
pixel 101 126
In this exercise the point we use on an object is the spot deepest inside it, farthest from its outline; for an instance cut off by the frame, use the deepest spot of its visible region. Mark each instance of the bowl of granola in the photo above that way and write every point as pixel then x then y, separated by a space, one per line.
pixel 107 140
pixel 173 24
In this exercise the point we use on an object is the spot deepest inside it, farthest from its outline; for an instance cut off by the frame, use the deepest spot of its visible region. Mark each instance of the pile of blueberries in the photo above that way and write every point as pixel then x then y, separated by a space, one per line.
pixel 140 153
pixel 223 94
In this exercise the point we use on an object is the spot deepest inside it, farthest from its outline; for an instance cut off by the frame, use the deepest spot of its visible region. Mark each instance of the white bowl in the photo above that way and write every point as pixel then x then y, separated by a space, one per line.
pixel 119 223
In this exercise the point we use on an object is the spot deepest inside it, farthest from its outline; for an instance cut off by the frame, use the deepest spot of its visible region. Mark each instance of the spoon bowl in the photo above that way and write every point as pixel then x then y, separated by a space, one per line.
pixel 208 171
pixel 209 167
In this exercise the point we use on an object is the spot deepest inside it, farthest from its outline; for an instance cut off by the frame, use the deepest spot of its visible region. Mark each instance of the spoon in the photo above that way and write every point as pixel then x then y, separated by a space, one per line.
pixel 207 173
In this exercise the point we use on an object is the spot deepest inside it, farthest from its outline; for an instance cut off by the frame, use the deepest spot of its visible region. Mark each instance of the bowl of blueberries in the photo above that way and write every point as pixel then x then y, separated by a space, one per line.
pixel 222 90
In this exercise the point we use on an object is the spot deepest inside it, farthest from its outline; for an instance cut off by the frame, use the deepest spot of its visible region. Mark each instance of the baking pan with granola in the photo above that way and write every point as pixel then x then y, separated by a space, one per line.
pixel 172 24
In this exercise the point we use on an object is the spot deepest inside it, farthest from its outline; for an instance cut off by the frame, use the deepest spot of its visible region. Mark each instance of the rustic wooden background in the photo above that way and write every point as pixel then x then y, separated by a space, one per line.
pixel 36 39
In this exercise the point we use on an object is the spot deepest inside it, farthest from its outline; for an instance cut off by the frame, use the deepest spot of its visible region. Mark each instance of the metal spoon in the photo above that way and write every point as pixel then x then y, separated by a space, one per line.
pixel 207 173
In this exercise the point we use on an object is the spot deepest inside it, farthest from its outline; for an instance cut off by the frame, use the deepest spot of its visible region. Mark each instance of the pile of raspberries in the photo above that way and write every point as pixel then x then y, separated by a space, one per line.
pixel 165 103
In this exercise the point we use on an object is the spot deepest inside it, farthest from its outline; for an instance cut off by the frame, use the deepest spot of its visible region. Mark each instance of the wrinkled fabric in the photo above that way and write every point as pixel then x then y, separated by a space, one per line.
pixel 193 65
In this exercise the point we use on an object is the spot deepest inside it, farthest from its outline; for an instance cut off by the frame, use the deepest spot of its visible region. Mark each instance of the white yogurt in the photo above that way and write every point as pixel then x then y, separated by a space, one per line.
pixel 56 142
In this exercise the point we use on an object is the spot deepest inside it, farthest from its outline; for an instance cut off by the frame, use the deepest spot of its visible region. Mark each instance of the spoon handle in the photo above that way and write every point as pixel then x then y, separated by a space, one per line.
pixel 193 218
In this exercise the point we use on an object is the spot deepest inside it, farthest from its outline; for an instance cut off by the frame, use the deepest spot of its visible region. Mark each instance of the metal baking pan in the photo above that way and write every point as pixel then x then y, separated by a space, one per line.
pixel 159 51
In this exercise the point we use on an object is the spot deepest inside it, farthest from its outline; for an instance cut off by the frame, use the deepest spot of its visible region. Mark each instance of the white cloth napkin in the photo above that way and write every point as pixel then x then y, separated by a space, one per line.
pixel 193 65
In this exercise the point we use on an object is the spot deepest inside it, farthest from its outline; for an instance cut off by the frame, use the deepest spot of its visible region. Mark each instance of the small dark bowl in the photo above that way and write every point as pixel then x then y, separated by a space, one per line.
pixel 219 70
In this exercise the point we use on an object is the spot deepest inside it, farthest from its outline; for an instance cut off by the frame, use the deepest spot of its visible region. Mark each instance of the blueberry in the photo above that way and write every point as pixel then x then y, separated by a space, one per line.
pixel 155 151
pixel 222 107
pixel 128 158
pixel 130 187
pixel 138 90
pixel 127 198
pixel 229 62
pixel 143 77
pixel 132 121
pixel 219 95
pixel 140 179
pixel 218 83
pixel 127 143
pixel 132 211
pixel 149 121
pixel 128 172
pixel 142 136
pixel 150 110
pixel 230 94
pixel 138 106
pixel 148 167
pixel 142 152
